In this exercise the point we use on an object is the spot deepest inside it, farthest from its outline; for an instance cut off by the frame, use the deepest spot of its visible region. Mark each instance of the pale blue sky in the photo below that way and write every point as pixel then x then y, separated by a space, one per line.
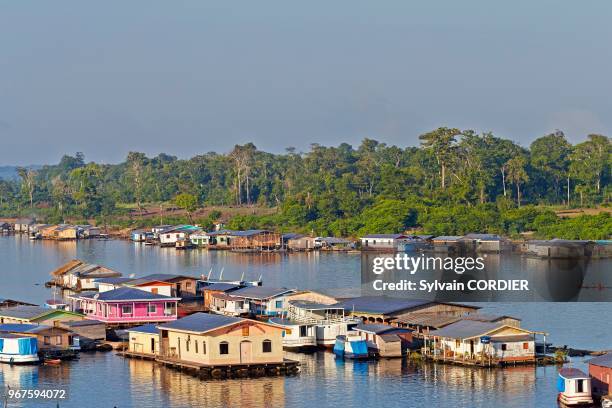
pixel 186 77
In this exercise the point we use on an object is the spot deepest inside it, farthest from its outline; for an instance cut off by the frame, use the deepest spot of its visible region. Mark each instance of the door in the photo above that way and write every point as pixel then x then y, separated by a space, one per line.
pixel 246 350
pixel 153 345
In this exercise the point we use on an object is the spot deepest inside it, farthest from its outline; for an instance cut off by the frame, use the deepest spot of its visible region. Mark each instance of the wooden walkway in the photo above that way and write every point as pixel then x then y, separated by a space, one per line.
pixel 221 371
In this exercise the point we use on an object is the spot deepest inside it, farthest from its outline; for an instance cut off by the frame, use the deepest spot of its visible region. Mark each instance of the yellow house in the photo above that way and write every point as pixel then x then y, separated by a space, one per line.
pixel 208 339
pixel 144 339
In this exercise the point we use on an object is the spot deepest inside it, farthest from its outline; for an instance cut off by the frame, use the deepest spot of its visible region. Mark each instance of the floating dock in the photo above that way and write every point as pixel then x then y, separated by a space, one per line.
pixel 221 371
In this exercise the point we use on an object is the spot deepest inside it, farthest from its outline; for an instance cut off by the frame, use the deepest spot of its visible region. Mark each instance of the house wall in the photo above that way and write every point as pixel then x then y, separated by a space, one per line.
pixel 171 237
pixel 600 379
pixel 257 333
pixel 378 243
pixel 145 343
pixel 185 286
pixel 301 244
pixel 159 288
pixel 55 339
pixel 70 233
pixel 113 313
pixel 269 307
pixel 88 333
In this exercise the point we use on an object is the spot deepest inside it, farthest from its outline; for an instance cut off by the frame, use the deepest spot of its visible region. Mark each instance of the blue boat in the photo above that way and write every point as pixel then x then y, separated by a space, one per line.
pixel 351 346
pixel 16 349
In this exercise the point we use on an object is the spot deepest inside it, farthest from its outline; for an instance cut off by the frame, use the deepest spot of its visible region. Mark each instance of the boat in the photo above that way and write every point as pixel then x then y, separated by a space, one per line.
pixel 56 304
pixel 54 361
pixel 183 244
pixel 17 349
pixel 574 388
pixel 352 346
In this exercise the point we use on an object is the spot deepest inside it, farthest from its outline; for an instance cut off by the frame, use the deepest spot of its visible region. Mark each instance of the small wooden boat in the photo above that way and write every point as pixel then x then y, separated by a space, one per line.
pixel 53 361
pixel 574 388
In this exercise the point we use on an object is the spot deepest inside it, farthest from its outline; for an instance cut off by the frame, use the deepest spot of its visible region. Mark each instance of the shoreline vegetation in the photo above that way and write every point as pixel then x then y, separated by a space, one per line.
pixel 455 183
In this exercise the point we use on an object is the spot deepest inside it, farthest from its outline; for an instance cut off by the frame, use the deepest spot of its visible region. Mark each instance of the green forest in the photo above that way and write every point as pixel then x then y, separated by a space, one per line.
pixel 454 182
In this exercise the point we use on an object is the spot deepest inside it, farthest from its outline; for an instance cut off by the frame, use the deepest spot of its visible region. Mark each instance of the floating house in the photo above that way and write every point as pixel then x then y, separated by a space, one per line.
pixel 6 227
pixel 297 335
pixel 126 306
pixel 352 346
pixel 37 315
pixel 88 231
pixel 574 387
pixel 447 243
pixel 90 332
pixel 79 275
pixel 472 340
pixel 560 248
pixel 384 340
pixel 333 244
pixel 170 236
pixel 4 303
pixel 141 235
pixel 18 349
pixel 156 230
pixel 482 243
pixel 201 239
pixel 221 239
pixel 298 242
pixel 218 288
pixel 208 339
pixel 600 370
pixel 144 339
pixel 23 225
pixel 423 323
pixel 49 337
pixel 383 309
pixel 384 242
pixel 263 301
pixel 178 285
pixel 228 305
pixel 255 241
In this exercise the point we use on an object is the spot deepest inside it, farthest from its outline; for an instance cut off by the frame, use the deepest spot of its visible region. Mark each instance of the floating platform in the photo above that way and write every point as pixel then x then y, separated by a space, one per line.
pixel 221 371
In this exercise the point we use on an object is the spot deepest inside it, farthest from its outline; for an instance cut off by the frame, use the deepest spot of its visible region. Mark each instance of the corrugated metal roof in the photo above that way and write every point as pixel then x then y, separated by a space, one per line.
pixel 508 339
pixel 162 277
pixel 201 322
pixel 126 294
pixel 308 305
pixel 260 292
pixel 386 236
pixel 464 329
pixel 145 328
pixel 380 304
pixel 380 328
pixel 483 237
pixel 25 312
pixel 572 373
pixel 451 238
pixel 487 317
pixel 114 281
pixel 602 361
pixel 23 328
pixel 427 319
pixel 221 286
pixel 292 235
pixel 248 233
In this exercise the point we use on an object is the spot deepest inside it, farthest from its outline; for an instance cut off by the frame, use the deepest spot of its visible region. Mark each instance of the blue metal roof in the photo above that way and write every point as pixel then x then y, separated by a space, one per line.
pixel 260 292
pixel 113 281
pixel 201 322
pixel 145 328
pixel 380 304
pixel 22 328
pixel 221 286
pixel 126 294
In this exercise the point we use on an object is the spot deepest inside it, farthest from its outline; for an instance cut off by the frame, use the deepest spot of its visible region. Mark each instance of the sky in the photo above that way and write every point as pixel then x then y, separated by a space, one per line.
pixel 187 77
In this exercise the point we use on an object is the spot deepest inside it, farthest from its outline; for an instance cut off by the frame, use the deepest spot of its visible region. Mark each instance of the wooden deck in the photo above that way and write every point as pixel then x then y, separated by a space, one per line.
pixel 539 360
pixel 221 371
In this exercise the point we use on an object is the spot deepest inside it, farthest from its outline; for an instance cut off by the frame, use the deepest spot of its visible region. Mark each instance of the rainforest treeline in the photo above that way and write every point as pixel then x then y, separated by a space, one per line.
pixel 456 181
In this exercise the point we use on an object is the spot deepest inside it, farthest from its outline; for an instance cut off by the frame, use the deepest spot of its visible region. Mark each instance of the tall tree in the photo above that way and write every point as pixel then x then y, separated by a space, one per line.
pixel 28 182
pixel 517 174
pixel 441 142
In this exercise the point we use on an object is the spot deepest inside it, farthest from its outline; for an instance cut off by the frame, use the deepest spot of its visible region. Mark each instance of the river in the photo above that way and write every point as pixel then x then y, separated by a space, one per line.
pixel 105 380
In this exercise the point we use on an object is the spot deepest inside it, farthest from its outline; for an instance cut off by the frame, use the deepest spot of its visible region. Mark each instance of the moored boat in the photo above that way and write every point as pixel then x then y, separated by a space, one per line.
pixel 574 388
pixel 296 335
pixel 16 349
pixel 352 346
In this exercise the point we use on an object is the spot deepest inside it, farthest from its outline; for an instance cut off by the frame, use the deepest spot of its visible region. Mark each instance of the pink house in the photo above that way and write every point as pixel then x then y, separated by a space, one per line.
pixel 126 306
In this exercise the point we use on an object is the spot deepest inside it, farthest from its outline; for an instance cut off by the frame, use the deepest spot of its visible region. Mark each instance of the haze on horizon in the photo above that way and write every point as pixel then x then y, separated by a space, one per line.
pixel 189 77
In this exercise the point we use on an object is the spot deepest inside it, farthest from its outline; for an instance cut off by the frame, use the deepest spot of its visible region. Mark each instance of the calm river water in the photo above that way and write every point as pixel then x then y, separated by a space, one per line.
pixel 105 380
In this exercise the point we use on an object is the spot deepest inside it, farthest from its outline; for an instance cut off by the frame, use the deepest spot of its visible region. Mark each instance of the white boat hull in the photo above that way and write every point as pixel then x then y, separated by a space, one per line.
pixel 19 359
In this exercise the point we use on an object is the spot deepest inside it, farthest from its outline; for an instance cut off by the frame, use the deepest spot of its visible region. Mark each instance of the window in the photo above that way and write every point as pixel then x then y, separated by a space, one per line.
pixel 245 330
pixel 126 309
pixel 196 346
pixel 151 309
pixel 303 331
pixel 267 346
pixel 525 346
pixel 187 345
pixel 279 304
pixel 579 385
pixel 203 347
pixel 223 347
pixel 188 284
pixel 504 347
pixel 169 309
pixel 47 340
pixel 58 340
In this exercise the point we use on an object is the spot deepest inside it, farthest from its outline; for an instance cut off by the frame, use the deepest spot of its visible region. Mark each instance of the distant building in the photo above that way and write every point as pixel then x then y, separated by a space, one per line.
pixel 49 337
pixel 170 236
pixel 446 243
pixel 255 240
pixel 384 242
pixel 482 243
pixel 384 340
pixel 89 331
pixel 207 339
pixel 333 244
pixel 218 288
pixel 298 242
pixel 179 285
pixel 24 224
pixel 80 275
